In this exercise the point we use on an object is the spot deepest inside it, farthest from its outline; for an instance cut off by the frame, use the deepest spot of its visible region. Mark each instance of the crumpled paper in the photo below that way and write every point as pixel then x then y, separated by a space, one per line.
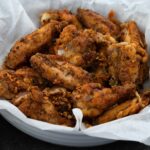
pixel 19 17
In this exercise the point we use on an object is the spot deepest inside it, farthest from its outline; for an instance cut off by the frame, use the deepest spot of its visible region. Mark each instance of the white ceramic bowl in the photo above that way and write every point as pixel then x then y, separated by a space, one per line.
pixel 76 139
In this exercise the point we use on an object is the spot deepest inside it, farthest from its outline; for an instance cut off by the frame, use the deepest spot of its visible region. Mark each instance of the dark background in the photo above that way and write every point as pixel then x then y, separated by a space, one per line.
pixel 13 139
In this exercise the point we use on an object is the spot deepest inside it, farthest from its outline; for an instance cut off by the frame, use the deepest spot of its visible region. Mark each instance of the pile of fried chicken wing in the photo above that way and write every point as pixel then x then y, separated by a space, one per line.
pixel 82 60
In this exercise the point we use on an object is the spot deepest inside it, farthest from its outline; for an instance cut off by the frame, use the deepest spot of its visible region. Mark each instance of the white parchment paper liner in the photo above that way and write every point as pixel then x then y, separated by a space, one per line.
pixel 19 17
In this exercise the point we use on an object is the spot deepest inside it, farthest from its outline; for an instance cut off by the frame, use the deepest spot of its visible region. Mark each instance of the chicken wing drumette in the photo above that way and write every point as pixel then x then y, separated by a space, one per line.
pixel 31 44
pixel 59 72
pixel 131 33
pixel 97 22
pixel 126 108
pixel 93 100
pixel 13 82
pixel 37 105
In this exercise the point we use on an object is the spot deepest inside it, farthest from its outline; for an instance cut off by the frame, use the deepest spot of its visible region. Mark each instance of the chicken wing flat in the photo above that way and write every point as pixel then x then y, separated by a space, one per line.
pixel 79 47
pixel 59 72
pixel 60 15
pixel 130 33
pixel 126 65
pixel 11 82
pixel 125 109
pixel 93 100
pixel 31 44
pixel 35 104
pixel 97 22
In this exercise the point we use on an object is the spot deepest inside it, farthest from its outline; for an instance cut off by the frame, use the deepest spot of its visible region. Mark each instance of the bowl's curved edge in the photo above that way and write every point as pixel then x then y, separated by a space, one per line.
pixel 75 140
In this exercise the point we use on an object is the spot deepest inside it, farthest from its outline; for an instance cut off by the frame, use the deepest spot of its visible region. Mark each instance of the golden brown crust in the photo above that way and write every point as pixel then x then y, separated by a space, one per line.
pixel 59 72
pixel 97 22
pixel 79 46
pixel 65 15
pixel 30 44
pixel 130 33
pixel 48 16
pixel 126 65
pixel 92 99
pixel 35 104
pixel 125 109
pixel 61 99
pixel 60 15
pixel 11 82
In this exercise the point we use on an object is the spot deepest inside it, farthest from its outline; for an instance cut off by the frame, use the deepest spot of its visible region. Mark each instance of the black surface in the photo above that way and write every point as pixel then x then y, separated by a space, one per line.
pixel 13 139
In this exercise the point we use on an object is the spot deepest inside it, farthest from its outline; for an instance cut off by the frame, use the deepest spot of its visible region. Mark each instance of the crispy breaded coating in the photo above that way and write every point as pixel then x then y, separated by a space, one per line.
pixel 100 72
pixel 93 100
pixel 48 16
pixel 60 15
pixel 61 99
pixel 131 33
pixel 66 15
pixel 126 65
pixel 66 36
pixel 100 68
pixel 76 47
pixel 32 43
pixel 36 105
pixel 13 82
pixel 97 22
pixel 59 72
pixel 79 47
pixel 126 108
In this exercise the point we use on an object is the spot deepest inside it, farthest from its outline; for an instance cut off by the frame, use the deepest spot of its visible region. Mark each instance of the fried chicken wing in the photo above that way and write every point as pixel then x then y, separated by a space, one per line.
pixel 79 47
pixel 101 65
pixel 31 44
pixel 93 100
pixel 66 36
pixel 66 15
pixel 11 82
pixel 48 16
pixel 130 33
pixel 97 22
pixel 35 104
pixel 125 109
pixel 59 72
pixel 126 65
pixel 60 15
pixel 61 99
